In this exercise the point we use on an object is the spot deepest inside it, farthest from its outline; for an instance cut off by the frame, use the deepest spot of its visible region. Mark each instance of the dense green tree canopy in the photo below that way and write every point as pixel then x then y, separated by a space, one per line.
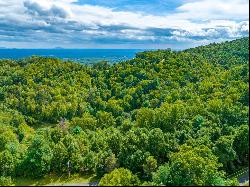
pixel 164 117
pixel 120 177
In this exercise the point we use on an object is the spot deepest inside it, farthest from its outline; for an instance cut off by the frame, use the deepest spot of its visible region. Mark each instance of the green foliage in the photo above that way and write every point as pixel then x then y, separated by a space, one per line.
pixel 162 175
pixel 185 112
pixel 150 166
pixel 106 164
pixel 38 161
pixel 232 182
pixel 120 177
pixel 105 119
pixel 60 158
pixel 6 181
pixel 241 142
pixel 7 163
pixel 6 136
pixel 224 150
pixel 87 121
pixel 190 166
pixel 25 133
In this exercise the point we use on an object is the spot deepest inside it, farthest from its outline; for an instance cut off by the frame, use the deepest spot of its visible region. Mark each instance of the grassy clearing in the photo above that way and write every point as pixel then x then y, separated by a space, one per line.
pixel 54 180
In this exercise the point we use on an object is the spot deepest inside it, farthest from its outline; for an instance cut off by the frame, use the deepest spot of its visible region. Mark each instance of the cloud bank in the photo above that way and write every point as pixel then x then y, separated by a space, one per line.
pixel 69 23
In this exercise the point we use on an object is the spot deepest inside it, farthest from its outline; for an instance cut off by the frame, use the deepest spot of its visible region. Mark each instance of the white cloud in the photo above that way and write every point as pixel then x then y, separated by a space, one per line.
pixel 215 9
pixel 45 9
pixel 215 30
pixel 194 20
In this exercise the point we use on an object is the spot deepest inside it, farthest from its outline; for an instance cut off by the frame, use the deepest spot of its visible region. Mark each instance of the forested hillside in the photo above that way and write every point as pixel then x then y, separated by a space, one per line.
pixel 164 117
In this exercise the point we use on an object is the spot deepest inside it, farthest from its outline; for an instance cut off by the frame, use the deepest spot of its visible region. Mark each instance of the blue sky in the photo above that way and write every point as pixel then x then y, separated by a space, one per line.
pixel 155 7
pixel 146 24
